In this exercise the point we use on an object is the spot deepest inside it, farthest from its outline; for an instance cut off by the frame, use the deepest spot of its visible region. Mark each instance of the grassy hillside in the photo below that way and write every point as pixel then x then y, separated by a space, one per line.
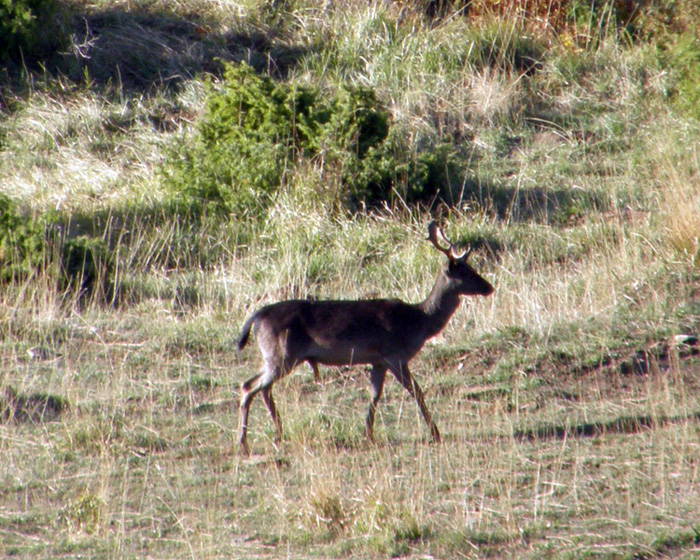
pixel 558 139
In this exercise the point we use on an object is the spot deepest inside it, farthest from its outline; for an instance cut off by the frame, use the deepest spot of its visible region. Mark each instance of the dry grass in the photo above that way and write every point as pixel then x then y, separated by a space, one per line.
pixel 570 412
pixel 543 459
pixel 677 184
pixel 144 463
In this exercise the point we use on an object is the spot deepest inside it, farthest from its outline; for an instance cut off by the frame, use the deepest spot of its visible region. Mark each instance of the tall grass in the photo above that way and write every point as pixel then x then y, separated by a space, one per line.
pixel 568 407
pixel 675 168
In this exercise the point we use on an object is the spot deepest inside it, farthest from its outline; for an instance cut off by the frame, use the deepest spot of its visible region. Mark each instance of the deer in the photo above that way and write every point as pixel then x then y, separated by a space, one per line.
pixel 382 333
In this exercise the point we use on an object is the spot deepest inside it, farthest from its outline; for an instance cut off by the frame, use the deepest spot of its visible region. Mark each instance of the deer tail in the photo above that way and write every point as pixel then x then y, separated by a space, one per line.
pixel 245 332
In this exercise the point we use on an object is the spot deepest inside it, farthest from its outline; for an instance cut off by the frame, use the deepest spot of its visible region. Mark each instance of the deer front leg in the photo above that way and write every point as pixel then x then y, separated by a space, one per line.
pixel 403 375
pixel 314 367
pixel 376 378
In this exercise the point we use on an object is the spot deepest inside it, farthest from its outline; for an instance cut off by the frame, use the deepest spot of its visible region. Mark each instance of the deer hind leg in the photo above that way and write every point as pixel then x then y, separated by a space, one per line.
pixel 376 378
pixel 270 404
pixel 273 369
pixel 261 382
pixel 403 375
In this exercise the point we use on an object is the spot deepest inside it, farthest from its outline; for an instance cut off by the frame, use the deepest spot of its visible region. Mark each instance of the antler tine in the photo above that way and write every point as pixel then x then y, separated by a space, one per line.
pixel 435 236
pixel 434 232
pixel 464 256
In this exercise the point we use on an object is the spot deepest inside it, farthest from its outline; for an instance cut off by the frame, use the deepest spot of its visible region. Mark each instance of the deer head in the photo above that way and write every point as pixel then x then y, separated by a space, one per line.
pixel 462 277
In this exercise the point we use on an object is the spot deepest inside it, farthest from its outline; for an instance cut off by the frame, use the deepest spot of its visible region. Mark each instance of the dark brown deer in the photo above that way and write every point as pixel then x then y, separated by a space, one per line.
pixel 385 333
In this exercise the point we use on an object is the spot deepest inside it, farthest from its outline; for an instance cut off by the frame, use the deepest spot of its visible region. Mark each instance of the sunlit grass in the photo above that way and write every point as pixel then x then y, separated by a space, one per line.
pixel 569 410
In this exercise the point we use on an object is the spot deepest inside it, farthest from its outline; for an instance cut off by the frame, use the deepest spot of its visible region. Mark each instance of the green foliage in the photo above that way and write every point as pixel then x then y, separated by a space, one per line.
pixel 417 175
pixel 358 122
pixel 597 17
pixel 685 68
pixel 16 25
pixel 21 242
pixel 243 145
pixel 23 28
pixel 29 245
pixel 256 133
pixel 356 132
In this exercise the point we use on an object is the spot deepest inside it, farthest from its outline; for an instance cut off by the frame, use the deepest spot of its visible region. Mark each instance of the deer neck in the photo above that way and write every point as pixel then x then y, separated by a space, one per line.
pixel 440 305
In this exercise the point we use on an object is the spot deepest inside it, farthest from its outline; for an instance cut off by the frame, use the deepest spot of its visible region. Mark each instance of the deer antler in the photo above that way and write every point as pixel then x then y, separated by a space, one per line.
pixel 434 232
pixel 435 236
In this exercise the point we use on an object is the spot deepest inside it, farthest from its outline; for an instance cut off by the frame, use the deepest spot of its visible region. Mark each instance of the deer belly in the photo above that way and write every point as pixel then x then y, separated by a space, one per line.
pixel 347 356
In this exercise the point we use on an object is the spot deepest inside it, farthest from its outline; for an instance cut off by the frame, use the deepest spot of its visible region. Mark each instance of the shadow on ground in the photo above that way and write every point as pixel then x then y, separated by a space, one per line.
pixel 34 407
pixel 137 50
pixel 620 425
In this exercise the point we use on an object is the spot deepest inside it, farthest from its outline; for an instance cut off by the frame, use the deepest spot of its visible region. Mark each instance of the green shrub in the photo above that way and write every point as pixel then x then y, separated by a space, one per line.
pixel 21 242
pixel 24 29
pixel 355 137
pixel 684 66
pixel 252 133
pixel 395 169
pixel 28 245
pixel 256 132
